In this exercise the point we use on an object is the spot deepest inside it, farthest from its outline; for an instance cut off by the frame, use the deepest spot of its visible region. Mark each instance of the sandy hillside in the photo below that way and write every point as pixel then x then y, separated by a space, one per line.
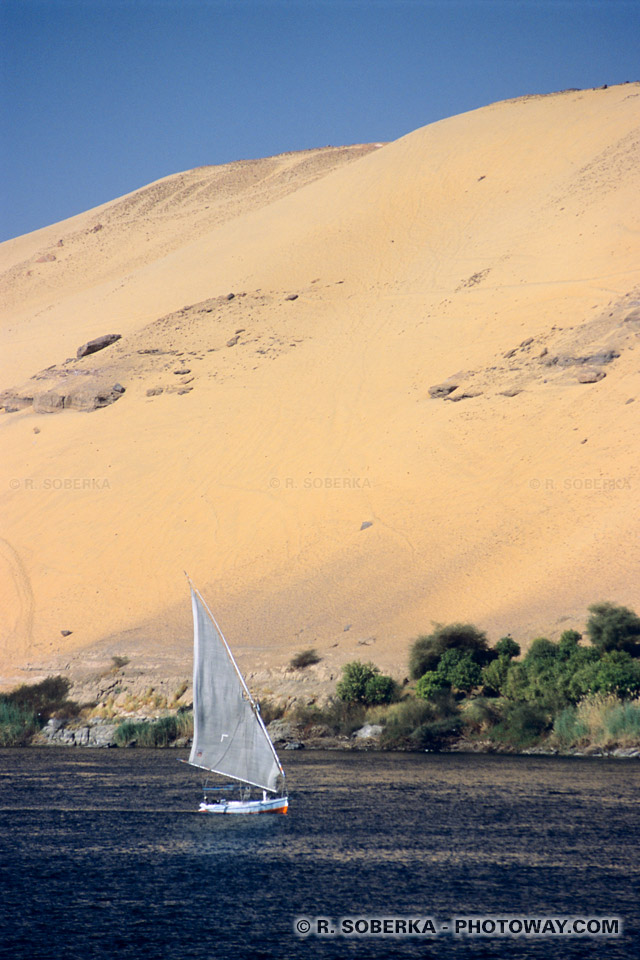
pixel 356 391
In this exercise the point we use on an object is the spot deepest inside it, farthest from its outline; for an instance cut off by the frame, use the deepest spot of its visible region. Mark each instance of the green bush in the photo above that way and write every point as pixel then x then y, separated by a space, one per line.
pixel 43 698
pixel 568 643
pixel 556 675
pixel 460 670
pixel 426 651
pixel 552 675
pixel 436 734
pixel 344 718
pixel 456 670
pixel 480 715
pixel 430 684
pixel 543 675
pixel 508 648
pixel 420 724
pixel 363 683
pixel 613 627
pixel 494 676
pixel 341 717
pixel 522 724
pixel 27 708
pixel 380 689
pixel 516 684
pixel 614 672
pixel 353 683
pixel 402 718
pixel 541 653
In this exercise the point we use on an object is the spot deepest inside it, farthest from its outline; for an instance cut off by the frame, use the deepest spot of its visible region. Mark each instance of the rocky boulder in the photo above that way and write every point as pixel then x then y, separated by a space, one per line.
pixel 368 732
pixel 441 390
pixel 66 733
pixel 88 397
pixel 99 343
pixel 48 402
pixel 282 731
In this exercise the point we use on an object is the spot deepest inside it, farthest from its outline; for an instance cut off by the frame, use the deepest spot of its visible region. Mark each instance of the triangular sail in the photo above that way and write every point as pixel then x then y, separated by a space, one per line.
pixel 229 736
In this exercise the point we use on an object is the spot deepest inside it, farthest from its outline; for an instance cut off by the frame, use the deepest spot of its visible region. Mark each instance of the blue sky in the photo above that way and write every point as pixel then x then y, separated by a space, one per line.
pixel 100 97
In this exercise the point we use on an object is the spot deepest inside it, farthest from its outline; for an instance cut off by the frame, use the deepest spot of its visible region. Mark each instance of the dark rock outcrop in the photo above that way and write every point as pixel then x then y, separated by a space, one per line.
pixel 282 731
pixel 599 359
pixel 85 398
pixel 12 401
pixel 69 734
pixel 99 343
pixel 441 390
pixel 48 402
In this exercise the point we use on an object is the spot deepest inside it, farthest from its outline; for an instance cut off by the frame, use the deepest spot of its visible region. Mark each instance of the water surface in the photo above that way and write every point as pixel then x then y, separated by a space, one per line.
pixel 103 855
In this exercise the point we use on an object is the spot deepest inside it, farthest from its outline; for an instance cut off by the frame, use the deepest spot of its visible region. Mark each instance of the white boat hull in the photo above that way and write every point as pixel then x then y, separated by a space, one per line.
pixel 272 805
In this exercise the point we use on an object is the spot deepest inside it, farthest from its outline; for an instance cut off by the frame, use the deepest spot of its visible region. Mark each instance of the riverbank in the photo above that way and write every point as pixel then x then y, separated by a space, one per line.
pixel 98 733
pixel 119 708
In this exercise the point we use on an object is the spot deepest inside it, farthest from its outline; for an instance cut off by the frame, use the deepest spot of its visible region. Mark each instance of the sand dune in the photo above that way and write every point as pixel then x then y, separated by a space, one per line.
pixel 283 445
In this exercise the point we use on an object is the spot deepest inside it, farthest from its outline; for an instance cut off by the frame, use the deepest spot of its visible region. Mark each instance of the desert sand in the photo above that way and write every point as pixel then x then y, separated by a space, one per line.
pixel 421 403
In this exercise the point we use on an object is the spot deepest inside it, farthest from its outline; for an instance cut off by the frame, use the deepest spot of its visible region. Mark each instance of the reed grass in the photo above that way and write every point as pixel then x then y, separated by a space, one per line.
pixel 155 733
pixel 568 728
pixel 622 722
pixel 17 724
pixel 599 720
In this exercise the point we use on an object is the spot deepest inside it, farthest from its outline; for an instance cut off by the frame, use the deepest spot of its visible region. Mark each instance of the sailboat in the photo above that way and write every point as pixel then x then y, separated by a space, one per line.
pixel 229 735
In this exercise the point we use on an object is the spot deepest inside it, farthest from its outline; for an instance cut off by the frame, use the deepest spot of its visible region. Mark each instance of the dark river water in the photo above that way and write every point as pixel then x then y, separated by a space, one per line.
pixel 103 855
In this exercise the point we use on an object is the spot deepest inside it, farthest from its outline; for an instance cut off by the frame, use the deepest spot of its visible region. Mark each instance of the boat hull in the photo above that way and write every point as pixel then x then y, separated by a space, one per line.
pixel 275 805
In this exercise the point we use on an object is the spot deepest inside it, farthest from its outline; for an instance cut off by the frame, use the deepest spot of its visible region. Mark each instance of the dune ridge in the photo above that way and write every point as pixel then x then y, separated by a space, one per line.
pixel 365 389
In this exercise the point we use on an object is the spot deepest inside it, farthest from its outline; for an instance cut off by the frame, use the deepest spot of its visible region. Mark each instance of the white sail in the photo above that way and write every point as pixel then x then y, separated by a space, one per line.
pixel 229 736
